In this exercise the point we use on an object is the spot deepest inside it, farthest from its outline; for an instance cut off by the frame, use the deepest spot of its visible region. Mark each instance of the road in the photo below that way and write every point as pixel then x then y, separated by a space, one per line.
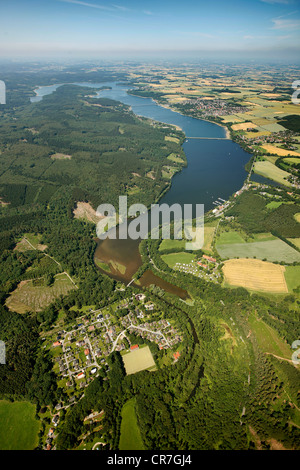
pixel 53 259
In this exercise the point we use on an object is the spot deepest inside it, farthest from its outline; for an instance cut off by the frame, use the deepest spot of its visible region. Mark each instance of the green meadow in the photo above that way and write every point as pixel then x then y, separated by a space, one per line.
pixel 273 204
pixel 130 438
pixel 19 427
pixel 268 170
pixel 167 244
pixel 173 258
pixel 229 237
pixel 292 277
pixel 268 339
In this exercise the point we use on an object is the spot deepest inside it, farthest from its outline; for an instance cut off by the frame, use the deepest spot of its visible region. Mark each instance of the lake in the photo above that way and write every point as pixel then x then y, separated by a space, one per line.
pixel 215 169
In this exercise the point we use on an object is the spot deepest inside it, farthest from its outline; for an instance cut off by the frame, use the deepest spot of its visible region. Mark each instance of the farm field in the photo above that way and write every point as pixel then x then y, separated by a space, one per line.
pixel 291 160
pixel 267 169
pixel 255 275
pixel 229 237
pixel 272 250
pixel 137 360
pixel 27 297
pixel 19 428
pixel 130 438
pixel 295 241
pixel 243 126
pixel 231 118
pixel 271 158
pixel 279 151
pixel 253 135
pixel 292 277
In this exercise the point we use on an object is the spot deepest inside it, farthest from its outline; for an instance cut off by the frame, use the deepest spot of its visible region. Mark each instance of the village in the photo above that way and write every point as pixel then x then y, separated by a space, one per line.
pixel 287 139
pixel 215 107
pixel 80 351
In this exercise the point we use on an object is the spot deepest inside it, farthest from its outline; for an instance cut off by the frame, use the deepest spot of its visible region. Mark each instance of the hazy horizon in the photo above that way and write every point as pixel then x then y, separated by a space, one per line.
pixel 101 29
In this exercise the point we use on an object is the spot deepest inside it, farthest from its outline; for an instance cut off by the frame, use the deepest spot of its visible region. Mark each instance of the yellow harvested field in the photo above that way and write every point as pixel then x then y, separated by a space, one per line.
pixel 175 99
pixel 253 135
pixel 250 103
pixel 278 151
pixel 137 360
pixel 207 98
pixel 255 275
pixel 243 126
pixel 231 118
pixel 271 95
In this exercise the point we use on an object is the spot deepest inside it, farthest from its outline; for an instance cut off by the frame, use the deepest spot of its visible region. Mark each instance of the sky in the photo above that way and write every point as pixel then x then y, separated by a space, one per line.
pixel 136 28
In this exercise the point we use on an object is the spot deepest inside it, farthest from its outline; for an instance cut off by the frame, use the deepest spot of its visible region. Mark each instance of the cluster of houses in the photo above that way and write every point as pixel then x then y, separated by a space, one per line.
pixel 215 107
pixel 82 350
pixel 282 137
pixel 160 332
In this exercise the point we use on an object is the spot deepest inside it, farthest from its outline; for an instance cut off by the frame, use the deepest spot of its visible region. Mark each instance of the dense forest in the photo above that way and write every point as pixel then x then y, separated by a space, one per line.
pixel 96 145
pixel 251 212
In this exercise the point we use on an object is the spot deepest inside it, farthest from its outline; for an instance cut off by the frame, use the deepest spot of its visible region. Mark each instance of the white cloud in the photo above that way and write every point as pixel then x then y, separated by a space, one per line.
pixel 279 23
pixel 113 7
pixel 283 2
pixel 86 4
pixel 250 36
pixel 120 7
pixel 196 34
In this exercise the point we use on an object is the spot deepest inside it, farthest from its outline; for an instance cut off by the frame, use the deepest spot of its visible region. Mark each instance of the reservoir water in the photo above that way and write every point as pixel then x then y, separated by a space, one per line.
pixel 215 169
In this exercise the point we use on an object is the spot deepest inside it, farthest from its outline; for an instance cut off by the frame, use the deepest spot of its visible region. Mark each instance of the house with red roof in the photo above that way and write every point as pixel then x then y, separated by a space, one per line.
pixel 209 258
